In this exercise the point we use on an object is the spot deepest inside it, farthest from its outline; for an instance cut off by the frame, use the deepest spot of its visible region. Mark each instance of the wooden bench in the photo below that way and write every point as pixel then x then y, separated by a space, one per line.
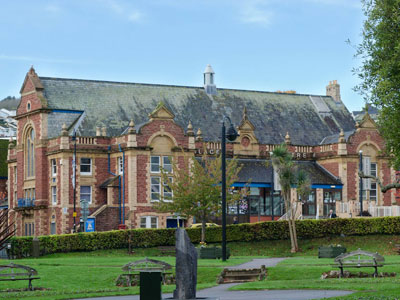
pixel 13 272
pixel 167 250
pixel 345 261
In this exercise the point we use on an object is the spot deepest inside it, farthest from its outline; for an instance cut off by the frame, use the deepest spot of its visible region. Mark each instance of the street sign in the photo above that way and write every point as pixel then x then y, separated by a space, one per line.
pixel 90 225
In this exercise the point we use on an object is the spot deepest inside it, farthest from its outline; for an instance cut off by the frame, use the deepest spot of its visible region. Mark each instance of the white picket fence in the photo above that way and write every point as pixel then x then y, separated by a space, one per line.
pixel 384 211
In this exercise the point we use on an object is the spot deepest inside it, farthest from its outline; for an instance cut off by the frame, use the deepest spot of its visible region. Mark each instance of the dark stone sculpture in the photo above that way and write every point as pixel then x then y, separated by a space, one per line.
pixel 186 266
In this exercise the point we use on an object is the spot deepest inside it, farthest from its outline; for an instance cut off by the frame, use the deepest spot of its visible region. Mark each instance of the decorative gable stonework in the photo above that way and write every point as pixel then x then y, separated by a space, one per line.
pixel 125 132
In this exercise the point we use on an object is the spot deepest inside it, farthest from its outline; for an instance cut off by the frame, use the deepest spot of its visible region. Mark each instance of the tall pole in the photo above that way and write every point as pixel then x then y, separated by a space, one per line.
pixel 361 184
pixel 223 170
pixel 272 188
pixel 74 179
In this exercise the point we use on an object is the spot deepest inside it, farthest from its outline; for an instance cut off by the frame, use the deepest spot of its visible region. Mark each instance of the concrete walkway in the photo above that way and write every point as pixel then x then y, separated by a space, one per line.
pixel 221 291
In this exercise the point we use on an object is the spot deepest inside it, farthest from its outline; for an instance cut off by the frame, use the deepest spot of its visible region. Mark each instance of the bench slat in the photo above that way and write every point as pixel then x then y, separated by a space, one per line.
pixel 13 279
pixel 14 274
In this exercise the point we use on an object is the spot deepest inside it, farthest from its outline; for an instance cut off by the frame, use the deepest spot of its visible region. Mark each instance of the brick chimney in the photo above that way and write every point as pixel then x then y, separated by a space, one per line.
pixel 333 90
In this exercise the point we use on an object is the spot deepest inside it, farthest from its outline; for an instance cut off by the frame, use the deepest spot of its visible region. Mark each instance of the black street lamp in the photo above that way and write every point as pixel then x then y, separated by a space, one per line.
pixel 361 184
pixel 231 135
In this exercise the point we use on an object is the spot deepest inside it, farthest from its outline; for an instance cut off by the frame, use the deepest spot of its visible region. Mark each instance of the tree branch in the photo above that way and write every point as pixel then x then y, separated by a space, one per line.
pixel 384 188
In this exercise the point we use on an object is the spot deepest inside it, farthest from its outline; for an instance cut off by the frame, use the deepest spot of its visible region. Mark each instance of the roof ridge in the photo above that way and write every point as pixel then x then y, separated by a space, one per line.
pixel 178 86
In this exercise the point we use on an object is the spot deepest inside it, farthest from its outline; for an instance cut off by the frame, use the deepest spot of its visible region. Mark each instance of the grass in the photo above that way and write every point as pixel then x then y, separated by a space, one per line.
pixel 305 273
pixel 93 274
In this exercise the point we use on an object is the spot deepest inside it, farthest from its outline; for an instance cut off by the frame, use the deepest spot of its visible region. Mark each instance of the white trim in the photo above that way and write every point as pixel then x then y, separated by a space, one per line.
pixel 54 195
pixel 53 165
pixel 80 166
pixel 159 164
pixel 90 194
pixel 148 220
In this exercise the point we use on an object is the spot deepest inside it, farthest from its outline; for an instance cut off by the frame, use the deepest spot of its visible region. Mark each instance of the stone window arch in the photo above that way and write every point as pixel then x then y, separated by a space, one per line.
pixel 29 152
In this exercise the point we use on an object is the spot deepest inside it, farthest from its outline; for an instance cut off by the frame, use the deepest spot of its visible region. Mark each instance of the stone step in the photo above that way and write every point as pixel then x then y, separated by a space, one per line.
pixel 242 275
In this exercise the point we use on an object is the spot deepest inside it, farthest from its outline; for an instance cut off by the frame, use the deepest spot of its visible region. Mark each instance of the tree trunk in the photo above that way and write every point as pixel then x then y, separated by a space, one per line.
pixel 296 246
pixel 289 217
pixel 292 224
pixel 203 229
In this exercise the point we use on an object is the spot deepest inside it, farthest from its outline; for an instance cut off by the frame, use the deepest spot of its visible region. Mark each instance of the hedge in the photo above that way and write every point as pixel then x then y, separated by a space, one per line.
pixel 142 238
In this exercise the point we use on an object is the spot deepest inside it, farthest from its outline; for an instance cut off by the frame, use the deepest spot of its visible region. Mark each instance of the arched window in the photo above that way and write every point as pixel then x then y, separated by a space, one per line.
pixel 30 153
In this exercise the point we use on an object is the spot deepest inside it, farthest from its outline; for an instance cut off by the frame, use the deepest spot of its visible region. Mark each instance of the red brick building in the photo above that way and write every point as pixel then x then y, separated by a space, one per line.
pixel 125 132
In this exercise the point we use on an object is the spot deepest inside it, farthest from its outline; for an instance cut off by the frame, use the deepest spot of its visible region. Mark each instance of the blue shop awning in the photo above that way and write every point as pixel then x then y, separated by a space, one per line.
pixel 252 184
pixel 327 186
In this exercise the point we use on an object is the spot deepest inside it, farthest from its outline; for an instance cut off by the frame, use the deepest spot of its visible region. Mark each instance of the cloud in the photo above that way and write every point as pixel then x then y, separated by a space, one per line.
pixel 52 8
pixel 38 59
pixel 124 10
pixel 256 12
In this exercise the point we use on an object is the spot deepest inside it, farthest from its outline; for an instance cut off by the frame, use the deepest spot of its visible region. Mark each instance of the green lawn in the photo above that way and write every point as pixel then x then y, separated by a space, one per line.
pixel 305 273
pixel 93 274
pixel 74 275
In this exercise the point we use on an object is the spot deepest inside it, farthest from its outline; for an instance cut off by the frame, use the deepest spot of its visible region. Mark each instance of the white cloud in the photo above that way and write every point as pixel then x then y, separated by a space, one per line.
pixel 256 12
pixel 124 10
pixel 52 8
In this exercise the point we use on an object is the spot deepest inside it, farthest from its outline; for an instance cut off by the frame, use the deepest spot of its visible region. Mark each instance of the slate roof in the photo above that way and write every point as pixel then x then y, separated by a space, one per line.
pixel 257 171
pixel 334 138
pixel 113 104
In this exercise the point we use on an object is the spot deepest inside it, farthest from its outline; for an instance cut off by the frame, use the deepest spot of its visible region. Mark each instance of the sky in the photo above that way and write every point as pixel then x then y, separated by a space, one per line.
pixel 264 45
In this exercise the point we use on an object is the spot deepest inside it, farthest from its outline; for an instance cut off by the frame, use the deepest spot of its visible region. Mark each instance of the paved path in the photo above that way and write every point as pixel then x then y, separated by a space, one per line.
pixel 258 262
pixel 221 291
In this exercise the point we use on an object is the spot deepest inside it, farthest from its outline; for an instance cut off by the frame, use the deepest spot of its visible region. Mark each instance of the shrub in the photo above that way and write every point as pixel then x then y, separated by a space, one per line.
pixel 142 238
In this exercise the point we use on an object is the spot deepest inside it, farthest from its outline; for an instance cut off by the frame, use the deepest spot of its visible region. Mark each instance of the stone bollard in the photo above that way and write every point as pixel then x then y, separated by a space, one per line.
pixel 35 247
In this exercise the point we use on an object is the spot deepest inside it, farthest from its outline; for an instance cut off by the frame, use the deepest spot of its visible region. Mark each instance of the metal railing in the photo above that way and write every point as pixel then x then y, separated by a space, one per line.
pixel 26 202
pixel 384 211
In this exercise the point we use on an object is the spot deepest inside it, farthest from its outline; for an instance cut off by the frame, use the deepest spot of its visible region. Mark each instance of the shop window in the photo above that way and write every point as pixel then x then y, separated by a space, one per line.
pixel 309 206
pixel 330 198
pixel 86 166
pixel 148 222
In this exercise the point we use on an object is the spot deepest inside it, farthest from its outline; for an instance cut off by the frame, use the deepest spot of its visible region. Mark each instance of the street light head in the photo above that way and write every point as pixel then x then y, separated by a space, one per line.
pixel 231 134
pixel 360 151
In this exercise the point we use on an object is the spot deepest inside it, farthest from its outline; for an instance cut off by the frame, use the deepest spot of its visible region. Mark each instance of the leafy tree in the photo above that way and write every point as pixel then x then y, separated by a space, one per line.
pixel 290 176
pixel 380 69
pixel 196 188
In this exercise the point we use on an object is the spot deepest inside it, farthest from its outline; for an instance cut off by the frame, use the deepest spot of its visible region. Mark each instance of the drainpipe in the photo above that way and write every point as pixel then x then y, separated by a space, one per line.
pixel 119 183
pixel 123 183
